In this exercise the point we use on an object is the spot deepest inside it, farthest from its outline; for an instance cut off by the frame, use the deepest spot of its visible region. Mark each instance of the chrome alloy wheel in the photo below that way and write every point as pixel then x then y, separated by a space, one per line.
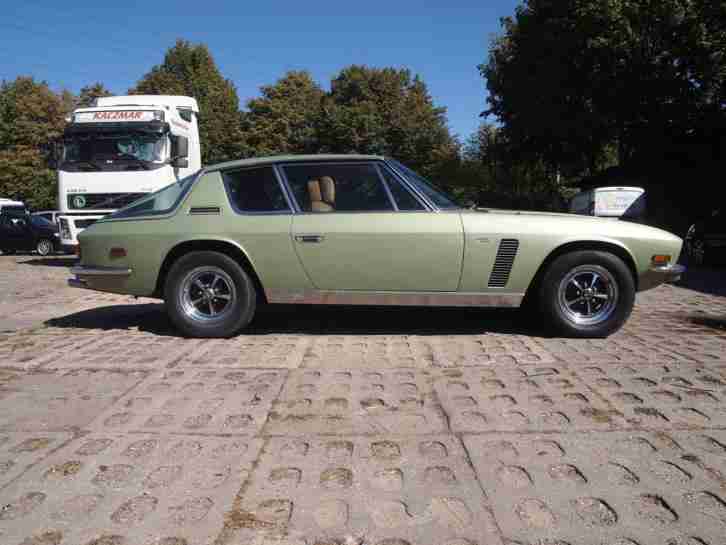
pixel 44 247
pixel 588 295
pixel 208 293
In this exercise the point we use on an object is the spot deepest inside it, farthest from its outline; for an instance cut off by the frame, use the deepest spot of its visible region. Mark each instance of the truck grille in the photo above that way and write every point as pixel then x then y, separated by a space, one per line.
pixel 503 264
pixel 110 201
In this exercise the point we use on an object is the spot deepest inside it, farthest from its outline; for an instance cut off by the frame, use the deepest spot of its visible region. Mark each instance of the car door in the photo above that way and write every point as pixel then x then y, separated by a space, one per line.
pixel 15 232
pixel 350 235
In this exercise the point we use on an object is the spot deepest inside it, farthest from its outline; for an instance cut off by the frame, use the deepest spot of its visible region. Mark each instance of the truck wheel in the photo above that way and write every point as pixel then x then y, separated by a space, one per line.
pixel 208 294
pixel 44 247
pixel 587 294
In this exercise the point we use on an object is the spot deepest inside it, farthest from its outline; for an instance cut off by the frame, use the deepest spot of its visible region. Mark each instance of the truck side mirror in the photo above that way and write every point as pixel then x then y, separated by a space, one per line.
pixel 179 151
pixel 50 153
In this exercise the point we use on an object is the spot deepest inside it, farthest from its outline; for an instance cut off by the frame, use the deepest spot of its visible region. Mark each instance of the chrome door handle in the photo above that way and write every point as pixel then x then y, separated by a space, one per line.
pixel 309 238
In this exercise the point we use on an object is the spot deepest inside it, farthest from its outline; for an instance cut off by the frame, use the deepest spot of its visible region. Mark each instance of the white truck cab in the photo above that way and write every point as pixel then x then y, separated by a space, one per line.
pixel 119 150
pixel 610 202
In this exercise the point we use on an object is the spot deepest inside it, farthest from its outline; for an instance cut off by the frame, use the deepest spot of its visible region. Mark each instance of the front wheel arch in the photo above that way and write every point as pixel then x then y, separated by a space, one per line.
pixel 578 246
pixel 220 246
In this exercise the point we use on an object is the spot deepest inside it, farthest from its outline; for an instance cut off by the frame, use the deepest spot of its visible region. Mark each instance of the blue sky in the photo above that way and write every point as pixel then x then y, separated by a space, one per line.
pixel 73 43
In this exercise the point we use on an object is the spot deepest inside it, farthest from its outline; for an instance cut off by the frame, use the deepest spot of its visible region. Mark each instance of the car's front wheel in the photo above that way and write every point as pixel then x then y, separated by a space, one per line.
pixel 44 247
pixel 587 294
pixel 208 294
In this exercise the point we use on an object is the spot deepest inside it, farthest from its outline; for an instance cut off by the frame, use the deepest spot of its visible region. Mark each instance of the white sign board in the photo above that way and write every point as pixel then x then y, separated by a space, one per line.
pixel 114 116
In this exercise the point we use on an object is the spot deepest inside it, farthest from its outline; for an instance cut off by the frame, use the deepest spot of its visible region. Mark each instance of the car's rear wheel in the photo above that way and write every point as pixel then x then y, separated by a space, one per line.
pixel 587 294
pixel 44 247
pixel 208 294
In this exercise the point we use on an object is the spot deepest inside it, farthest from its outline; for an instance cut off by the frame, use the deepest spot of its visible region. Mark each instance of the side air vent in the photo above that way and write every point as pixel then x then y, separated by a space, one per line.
pixel 204 210
pixel 503 264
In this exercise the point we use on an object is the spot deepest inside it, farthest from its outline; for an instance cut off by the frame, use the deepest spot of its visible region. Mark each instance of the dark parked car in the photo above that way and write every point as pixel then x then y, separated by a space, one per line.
pixel 706 240
pixel 22 232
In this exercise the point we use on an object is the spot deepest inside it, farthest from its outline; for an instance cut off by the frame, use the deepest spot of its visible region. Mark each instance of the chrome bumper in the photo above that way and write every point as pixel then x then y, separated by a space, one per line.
pixel 672 273
pixel 82 274
pixel 660 275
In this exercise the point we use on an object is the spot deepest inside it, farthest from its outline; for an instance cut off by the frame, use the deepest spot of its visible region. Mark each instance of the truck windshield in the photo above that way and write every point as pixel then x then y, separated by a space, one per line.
pixel 103 151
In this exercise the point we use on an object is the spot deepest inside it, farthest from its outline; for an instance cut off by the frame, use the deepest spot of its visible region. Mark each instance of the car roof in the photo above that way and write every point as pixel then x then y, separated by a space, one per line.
pixel 257 161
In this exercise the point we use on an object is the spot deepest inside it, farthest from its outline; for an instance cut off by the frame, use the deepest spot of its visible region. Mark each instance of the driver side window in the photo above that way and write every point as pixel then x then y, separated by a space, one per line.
pixel 335 187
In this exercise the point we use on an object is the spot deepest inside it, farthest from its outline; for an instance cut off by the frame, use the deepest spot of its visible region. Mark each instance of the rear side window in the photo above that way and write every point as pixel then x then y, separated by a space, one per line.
pixel 255 190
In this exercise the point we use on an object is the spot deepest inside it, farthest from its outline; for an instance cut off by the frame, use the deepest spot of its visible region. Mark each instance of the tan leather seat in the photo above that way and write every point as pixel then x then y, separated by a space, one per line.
pixel 322 194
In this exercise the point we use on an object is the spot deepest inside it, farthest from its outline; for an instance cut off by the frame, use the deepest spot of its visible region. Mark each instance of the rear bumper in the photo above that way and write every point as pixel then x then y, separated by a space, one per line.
pixel 99 278
pixel 660 275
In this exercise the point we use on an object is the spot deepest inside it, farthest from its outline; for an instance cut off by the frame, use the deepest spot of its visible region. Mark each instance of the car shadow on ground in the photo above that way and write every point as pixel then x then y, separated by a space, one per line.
pixel 54 261
pixel 708 280
pixel 318 320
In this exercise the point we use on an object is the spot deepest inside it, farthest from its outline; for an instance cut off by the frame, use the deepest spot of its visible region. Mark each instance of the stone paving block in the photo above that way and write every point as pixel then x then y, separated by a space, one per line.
pixel 142 488
pixel 615 488
pixel 421 351
pixel 46 400
pixel 380 351
pixel 20 450
pixel 527 399
pixel 661 396
pixel 266 351
pixel 198 401
pixel 382 490
pixel 356 402
pixel 467 350
pixel 620 347
pixel 31 349
pixel 125 350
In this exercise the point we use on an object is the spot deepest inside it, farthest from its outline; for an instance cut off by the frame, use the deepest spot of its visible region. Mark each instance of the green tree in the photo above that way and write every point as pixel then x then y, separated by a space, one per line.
pixel 386 111
pixel 585 83
pixel 190 70
pixel 31 115
pixel 284 118
pixel 88 95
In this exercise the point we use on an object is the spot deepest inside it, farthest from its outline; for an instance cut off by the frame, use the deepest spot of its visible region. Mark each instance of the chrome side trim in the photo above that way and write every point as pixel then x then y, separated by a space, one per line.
pixel 204 210
pixel 100 271
pixel 393 298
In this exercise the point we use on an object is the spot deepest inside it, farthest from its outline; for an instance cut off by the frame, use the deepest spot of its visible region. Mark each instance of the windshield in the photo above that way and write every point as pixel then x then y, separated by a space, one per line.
pixel 159 202
pixel 433 193
pixel 40 221
pixel 97 151
pixel 14 208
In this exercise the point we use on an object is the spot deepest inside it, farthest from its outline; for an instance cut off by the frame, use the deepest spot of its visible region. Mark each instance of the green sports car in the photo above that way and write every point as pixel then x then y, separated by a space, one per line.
pixel 362 230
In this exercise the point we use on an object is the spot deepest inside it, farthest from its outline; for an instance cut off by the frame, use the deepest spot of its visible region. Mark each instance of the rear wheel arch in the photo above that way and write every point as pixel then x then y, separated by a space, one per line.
pixel 577 246
pixel 205 245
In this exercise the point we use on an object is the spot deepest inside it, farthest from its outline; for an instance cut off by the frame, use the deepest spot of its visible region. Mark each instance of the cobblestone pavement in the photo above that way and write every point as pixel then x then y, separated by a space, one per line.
pixel 355 426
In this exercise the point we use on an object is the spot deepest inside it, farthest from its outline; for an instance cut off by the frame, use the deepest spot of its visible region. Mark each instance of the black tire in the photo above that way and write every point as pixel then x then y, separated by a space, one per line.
pixel 192 319
pixel 614 291
pixel 44 247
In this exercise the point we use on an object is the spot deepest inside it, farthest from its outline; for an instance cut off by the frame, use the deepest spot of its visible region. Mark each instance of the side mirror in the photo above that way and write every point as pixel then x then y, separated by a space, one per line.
pixel 179 147
pixel 50 151
pixel 179 151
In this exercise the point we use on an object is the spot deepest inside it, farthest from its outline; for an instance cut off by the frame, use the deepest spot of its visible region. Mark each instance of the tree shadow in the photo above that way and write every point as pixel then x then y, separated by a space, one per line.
pixel 318 320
